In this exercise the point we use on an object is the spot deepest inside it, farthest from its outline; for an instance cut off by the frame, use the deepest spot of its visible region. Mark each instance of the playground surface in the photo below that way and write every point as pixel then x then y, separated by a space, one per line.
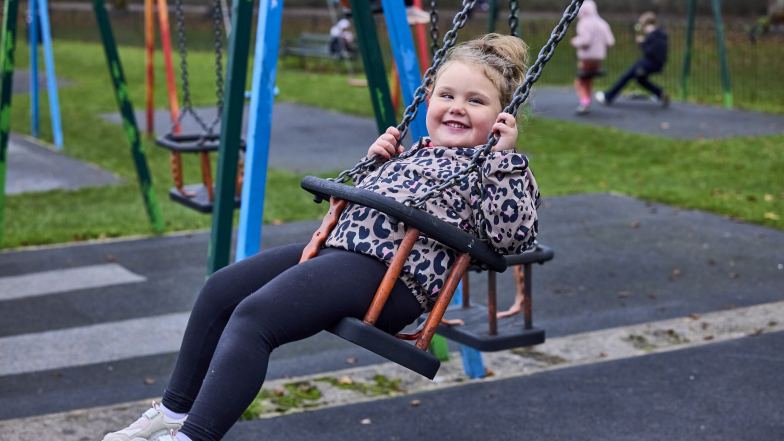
pixel 94 327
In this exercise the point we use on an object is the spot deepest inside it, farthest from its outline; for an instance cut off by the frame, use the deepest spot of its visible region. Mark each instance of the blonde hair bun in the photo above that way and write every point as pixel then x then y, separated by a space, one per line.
pixel 504 59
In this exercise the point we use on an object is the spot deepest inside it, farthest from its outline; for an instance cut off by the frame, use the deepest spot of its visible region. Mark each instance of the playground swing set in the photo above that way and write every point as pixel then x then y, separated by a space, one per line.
pixel 472 250
pixel 197 196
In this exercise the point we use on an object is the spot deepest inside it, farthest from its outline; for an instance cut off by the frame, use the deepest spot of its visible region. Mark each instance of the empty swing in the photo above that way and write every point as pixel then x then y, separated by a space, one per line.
pixel 471 251
pixel 197 196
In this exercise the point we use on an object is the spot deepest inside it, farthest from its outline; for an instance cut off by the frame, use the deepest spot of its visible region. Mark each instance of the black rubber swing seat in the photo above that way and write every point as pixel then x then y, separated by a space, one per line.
pixel 387 346
pixel 370 337
pixel 199 201
pixel 189 142
pixel 511 333
pixel 194 196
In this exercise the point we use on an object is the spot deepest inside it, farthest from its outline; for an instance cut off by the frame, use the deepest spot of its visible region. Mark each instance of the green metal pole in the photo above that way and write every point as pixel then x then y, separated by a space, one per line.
pixel 686 72
pixel 492 15
pixel 230 138
pixel 374 65
pixel 10 11
pixel 129 118
pixel 725 70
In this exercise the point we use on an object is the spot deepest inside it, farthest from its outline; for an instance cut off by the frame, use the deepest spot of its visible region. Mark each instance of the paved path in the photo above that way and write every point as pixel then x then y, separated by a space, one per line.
pixel 33 167
pixel 679 121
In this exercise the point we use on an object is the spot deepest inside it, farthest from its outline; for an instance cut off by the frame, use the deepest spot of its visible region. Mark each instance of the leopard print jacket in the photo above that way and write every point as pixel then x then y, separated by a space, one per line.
pixel 498 205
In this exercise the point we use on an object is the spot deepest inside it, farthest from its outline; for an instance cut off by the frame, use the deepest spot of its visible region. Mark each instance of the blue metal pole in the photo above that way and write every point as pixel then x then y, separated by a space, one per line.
pixel 51 78
pixel 32 38
pixel 473 365
pixel 265 63
pixel 405 59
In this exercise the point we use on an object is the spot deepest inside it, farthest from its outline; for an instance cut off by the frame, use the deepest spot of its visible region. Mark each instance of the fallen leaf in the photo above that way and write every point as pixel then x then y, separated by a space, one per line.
pixel 345 380
pixel 415 403
pixel 694 316
pixel 769 215
pixel 708 338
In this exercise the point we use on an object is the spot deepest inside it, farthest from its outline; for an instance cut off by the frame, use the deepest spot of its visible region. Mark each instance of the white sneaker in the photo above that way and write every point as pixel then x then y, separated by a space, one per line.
pixel 153 425
pixel 601 98
pixel 416 16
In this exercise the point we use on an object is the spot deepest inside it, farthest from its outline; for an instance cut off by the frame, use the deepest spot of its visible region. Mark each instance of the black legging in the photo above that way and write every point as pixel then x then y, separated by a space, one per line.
pixel 247 309
pixel 640 71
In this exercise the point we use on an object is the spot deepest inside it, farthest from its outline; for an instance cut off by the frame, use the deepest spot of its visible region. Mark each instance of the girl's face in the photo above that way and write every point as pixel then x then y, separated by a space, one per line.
pixel 463 107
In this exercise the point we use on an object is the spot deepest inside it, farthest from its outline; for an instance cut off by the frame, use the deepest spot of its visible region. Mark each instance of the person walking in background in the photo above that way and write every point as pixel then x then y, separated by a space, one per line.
pixel 653 43
pixel 593 38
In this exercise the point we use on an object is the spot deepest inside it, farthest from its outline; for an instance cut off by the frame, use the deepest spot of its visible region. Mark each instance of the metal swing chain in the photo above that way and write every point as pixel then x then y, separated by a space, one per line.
pixel 458 22
pixel 433 27
pixel 187 104
pixel 513 20
pixel 519 96
pixel 217 29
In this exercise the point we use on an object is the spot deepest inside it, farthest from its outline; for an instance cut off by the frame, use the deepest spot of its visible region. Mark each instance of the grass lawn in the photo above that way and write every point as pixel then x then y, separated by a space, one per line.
pixel 740 177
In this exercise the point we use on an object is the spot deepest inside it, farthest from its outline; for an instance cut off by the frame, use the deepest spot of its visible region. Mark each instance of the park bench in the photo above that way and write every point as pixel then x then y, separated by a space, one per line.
pixel 312 45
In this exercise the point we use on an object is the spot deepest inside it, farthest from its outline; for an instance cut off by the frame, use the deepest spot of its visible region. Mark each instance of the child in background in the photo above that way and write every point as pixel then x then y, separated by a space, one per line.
pixel 249 308
pixel 653 43
pixel 593 38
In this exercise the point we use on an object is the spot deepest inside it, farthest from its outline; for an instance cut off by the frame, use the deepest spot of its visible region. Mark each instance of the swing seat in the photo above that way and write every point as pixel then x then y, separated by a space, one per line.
pixel 190 142
pixel 387 346
pixel 368 336
pixel 511 332
pixel 195 196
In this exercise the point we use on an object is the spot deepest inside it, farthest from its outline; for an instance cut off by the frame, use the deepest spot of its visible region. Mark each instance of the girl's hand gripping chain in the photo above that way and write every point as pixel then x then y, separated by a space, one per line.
pixel 505 129
pixel 387 145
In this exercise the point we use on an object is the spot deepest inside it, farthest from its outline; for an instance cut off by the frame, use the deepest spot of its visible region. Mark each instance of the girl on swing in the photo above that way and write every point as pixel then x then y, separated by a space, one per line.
pixel 249 308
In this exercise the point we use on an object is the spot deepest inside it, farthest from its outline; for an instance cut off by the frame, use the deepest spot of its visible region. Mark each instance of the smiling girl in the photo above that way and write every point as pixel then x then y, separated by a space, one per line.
pixel 249 308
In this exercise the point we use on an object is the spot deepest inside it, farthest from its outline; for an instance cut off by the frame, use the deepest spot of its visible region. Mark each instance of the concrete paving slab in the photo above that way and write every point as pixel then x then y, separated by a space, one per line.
pixel 679 121
pixel 22 81
pixel 32 167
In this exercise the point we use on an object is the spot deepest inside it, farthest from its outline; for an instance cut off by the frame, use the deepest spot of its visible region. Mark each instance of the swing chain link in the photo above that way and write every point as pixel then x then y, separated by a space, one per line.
pixel 433 27
pixel 217 29
pixel 187 104
pixel 520 95
pixel 513 20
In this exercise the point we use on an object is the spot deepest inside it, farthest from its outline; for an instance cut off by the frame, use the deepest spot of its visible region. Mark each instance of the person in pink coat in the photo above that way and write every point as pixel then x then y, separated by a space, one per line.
pixel 593 38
